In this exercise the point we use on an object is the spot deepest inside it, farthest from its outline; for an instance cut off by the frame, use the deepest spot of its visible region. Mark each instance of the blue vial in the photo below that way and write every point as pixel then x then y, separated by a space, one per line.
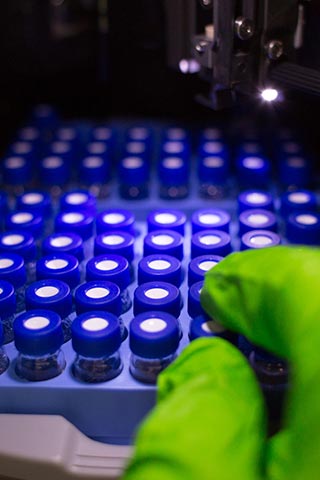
pixel 163 268
pixel 213 148
pixel 61 266
pixel 69 135
pixel 115 219
pixel 79 201
pixel 199 266
pixel 299 200
pixel 12 269
pixel 54 174
pixel 38 337
pixel 96 339
pixel 52 295
pixel 257 219
pixel 273 376
pixel 295 172
pixel 167 219
pixel 103 133
pixel 210 219
pixel 210 242
pixel 98 149
pixel 63 150
pixel 139 134
pixel 303 228
pixel 259 239
pixel 255 199
pixel 4 360
pixel 45 118
pixel 69 243
pixel 100 295
pixel 80 223
pixel 8 308
pixel 117 242
pixel 26 222
pixel 194 306
pixel 175 149
pixel 95 174
pixel 154 340
pixel 163 242
pixel 253 171
pixel 133 175
pixel 175 134
pixel 23 244
pixel 137 150
pixel 16 174
pixel 25 150
pixel 113 268
pixel 203 326
pixel 173 173
pixel 29 133
pixel 213 173
pixel 160 296
pixel 36 202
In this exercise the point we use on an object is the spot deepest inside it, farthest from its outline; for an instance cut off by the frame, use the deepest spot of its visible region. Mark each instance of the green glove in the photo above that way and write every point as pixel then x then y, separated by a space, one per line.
pixel 210 420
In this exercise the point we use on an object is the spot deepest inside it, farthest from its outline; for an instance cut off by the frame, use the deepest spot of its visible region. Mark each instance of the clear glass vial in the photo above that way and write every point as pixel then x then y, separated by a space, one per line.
pixel 38 337
pixel 154 340
pixel 96 339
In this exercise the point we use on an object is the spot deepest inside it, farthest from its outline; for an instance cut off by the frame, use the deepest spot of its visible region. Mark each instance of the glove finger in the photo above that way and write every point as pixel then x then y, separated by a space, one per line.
pixel 272 297
pixel 209 423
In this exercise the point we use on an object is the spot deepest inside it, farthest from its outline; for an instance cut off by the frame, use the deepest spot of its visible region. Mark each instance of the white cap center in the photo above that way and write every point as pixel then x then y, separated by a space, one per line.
pixel 36 323
pixel 299 197
pixel 23 217
pixel 253 162
pixel 6 263
pixel 261 240
pixel 213 162
pixel 73 217
pixel 159 264
pixel 153 325
pixel 256 198
pixel 213 147
pixel 172 163
pixel 156 293
pixel 307 219
pixel 47 292
pixel 113 218
pixel 97 292
pixel 107 265
pixel 210 239
pixel 76 198
pixel 257 219
pixel 207 265
pixel 165 218
pixel 52 162
pixel 132 162
pixel 32 198
pixel 11 240
pixel 92 162
pixel 209 218
pixel 162 240
pixel 62 241
pixel 95 324
pixel 113 240
pixel 56 264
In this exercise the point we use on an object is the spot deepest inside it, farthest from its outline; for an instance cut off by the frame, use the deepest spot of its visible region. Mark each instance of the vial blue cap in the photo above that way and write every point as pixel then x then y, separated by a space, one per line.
pixel 173 148
pixel 161 296
pixel 54 170
pixel 255 199
pixel 16 170
pixel 8 302
pixel 199 266
pixel 69 243
pixel 99 149
pixel 25 221
pixel 173 171
pixel 136 149
pixel 36 202
pixel 50 294
pixel 61 266
pixel 38 332
pixel 133 170
pixel 257 219
pixel 19 242
pixel 202 326
pixel 303 228
pixel 259 239
pixel 98 295
pixel 211 133
pixel 154 334
pixel 167 219
pixel 164 241
pixel 113 268
pixel 44 117
pixel 26 150
pixel 213 148
pixel 210 219
pixel 253 171
pixel 29 133
pixel 163 268
pixel 78 200
pixel 79 222
pixel 295 170
pixel 175 134
pixel 139 133
pixel 96 334
pixel 213 169
pixel 64 150
pixel 66 133
pixel 12 269
pixel 297 201
pixel 249 147
pixel 94 169
pixel 115 219
pixel 210 242
pixel 102 133
pixel 194 306
pixel 117 242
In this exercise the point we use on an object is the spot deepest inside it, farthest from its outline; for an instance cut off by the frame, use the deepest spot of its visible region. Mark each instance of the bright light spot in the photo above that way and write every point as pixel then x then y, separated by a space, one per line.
pixel 269 94
pixel 189 66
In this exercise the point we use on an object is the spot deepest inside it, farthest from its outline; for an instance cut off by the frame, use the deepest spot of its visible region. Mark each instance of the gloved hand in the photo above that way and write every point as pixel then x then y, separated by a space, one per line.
pixel 210 420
